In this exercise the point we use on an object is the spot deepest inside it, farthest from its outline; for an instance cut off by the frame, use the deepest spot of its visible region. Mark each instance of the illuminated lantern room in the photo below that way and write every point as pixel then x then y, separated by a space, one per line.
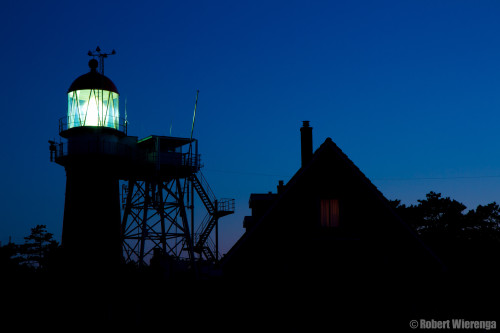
pixel 93 101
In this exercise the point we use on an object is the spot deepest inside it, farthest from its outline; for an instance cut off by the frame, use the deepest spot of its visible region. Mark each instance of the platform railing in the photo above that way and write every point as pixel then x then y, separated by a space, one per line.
pixel 175 159
pixel 116 123
pixel 225 205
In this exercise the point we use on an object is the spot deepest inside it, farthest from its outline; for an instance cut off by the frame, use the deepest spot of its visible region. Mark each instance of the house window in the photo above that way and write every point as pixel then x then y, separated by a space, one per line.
pixel 329 213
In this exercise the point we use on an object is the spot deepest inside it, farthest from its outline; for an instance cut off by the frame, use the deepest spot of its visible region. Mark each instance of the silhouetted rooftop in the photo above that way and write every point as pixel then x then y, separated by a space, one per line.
pixel 261 197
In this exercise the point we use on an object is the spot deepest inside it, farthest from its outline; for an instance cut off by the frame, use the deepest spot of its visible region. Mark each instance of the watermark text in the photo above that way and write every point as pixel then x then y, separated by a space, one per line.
pixel 455 324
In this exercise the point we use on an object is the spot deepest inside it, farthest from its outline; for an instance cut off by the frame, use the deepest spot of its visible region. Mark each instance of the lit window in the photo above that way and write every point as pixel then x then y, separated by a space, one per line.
pixel 330 213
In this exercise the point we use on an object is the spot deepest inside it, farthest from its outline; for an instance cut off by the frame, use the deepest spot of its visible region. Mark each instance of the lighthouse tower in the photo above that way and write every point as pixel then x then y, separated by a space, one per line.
pixel 162 175
pixel 93 153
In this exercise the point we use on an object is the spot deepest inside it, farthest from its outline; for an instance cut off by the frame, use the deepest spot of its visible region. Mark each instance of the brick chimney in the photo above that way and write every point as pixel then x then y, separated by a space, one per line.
pixel 306 142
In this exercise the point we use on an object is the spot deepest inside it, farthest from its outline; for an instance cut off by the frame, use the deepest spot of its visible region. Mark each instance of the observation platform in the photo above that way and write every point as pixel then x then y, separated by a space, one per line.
pixel 166 157
pixel 153 157
pixel 104 141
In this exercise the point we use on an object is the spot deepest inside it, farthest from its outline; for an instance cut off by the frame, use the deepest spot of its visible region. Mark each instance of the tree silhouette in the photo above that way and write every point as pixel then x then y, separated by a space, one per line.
pixel 461 239
pixel 485 219
pixel 37 247
pixel 433 215
pixel 9 259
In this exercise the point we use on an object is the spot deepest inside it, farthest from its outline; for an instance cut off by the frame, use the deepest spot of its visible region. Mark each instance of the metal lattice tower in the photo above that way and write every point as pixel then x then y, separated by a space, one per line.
pixel 158 206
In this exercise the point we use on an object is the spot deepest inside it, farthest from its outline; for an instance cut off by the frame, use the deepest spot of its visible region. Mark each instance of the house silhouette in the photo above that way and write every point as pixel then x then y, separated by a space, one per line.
pixel 328 221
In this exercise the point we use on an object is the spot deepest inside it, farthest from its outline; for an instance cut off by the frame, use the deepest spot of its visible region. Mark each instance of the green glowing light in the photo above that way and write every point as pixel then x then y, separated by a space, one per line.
pixel 92 107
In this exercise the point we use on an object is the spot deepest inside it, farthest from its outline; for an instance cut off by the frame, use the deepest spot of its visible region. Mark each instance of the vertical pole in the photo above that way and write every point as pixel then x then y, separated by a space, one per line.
pixel 196 156
pixel 194 113
pixel 192 210
pixel 157 148
pixel 216 231
pixel 163 237
pixel 185 225
pixel 144 223
pixel 126 212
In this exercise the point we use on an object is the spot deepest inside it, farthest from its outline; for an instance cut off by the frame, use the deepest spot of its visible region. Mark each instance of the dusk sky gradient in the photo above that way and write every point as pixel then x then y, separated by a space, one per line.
pixel 409 90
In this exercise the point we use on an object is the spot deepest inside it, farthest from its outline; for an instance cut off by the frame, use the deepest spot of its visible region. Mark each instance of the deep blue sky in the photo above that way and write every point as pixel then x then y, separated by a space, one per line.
pixel 409 90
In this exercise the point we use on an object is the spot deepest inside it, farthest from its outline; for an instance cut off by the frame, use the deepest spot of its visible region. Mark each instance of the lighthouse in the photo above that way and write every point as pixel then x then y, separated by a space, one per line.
pixel 93 151
pixel 160 176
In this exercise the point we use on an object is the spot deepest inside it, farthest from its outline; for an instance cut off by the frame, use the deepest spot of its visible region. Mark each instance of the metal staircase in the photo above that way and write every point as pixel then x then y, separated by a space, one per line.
pixel 215 208
pixel 208 254
pixel 204 191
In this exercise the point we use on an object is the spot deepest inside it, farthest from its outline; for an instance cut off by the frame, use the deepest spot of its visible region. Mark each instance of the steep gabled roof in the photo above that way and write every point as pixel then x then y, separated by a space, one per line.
pixel 328 147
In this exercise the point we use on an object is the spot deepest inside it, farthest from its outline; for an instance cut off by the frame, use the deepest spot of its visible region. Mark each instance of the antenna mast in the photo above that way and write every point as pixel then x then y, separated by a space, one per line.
pixel 126 117
pixel 101 56
pixel 194 114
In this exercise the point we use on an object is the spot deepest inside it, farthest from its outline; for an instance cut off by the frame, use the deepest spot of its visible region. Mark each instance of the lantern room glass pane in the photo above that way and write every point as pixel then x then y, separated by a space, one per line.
pixel 93 107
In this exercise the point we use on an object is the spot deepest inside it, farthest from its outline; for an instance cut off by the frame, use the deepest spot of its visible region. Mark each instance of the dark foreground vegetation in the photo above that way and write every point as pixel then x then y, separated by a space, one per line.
pixel 466 241
pixel 38 292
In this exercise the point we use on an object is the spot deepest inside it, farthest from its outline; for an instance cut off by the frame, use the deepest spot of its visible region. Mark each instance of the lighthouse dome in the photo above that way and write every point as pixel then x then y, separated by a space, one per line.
pixel 93 101
pixel 93 80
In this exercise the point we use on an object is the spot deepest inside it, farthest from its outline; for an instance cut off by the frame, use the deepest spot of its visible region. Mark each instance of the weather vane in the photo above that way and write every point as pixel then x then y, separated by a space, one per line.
pixel 101 56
